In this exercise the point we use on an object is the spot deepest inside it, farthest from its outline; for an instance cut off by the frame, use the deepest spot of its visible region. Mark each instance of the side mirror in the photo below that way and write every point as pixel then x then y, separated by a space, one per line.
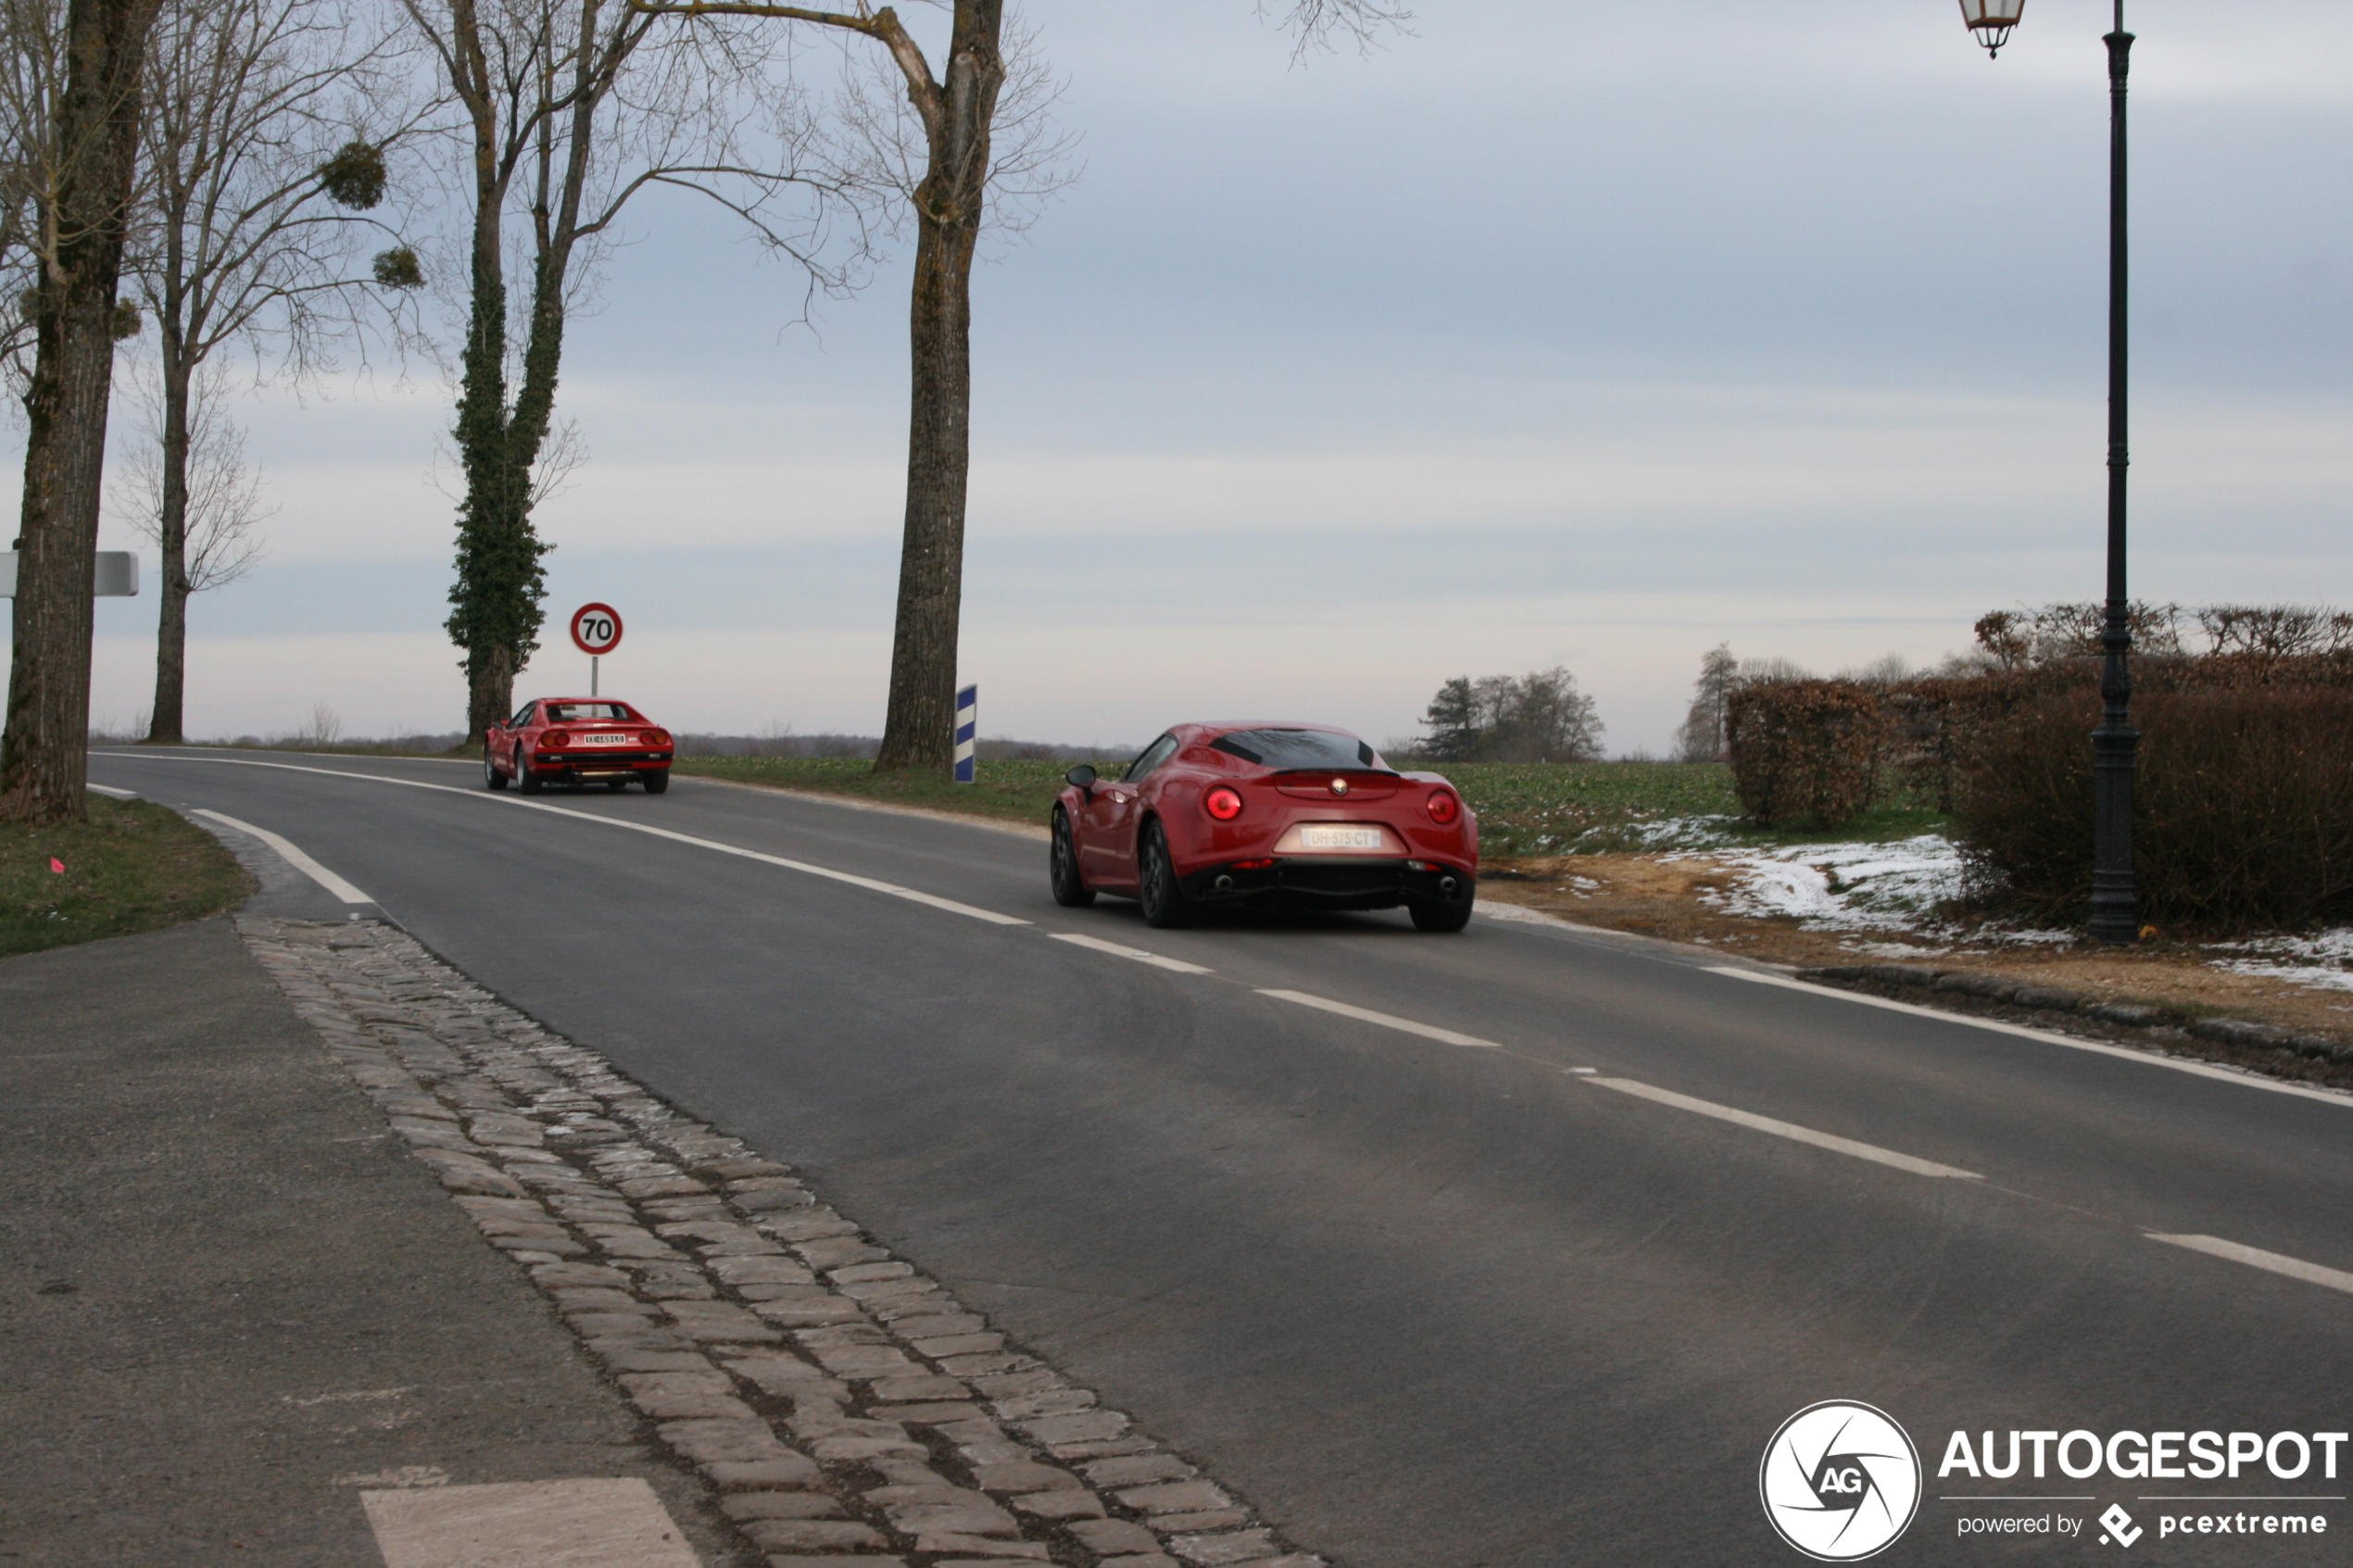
pixel 1083 779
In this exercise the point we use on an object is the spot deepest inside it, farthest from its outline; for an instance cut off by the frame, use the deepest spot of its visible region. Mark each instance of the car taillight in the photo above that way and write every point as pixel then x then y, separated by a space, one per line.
pixel 1250 865
pixel 554 738
pixel 1224 803
pixel 1443 808
pixel 653 737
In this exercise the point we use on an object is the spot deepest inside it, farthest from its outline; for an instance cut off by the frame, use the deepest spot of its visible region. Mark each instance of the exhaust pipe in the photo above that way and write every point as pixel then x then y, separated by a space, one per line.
pixel 1449 886
pixel 1225 885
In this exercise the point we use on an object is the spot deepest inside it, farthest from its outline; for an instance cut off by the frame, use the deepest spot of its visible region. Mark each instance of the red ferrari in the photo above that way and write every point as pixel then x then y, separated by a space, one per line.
pixel 1264 814
pixel 576 741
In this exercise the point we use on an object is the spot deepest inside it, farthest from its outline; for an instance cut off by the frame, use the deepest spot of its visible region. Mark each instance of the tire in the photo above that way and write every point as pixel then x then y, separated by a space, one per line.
pixel 1450 916
pixel 1156 887
pixel 491 777
pixel 1061 867
pixel 524 779
pixel 658 782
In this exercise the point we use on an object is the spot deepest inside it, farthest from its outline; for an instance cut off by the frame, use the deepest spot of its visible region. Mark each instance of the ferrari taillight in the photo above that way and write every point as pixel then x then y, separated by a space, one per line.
pixel 554 738
pixel 653 737
pixel 1224 803
pixel 1442 807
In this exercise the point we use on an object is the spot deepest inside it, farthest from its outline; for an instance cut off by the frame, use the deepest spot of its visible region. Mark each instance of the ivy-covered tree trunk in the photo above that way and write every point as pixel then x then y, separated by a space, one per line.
pixel 43 757
pixel 919 731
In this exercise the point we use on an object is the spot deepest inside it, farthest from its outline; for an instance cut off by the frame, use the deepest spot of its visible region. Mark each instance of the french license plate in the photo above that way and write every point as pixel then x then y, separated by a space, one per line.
pixel 594 738
pixel 1338 838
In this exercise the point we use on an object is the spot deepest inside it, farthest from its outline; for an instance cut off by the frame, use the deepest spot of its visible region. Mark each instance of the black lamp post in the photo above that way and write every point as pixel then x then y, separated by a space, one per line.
pixel 2115 917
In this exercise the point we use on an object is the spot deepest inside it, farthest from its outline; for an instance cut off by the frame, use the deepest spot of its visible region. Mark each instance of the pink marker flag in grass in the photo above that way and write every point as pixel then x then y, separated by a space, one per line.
pixel 55 864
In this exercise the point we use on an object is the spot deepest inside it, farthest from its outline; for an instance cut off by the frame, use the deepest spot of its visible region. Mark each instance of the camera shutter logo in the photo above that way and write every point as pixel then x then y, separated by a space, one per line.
pixel 1841 1481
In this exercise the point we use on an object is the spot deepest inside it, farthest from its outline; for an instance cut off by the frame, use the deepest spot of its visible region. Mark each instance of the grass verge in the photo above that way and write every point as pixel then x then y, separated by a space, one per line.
pixel 132 867
pixel 1006 791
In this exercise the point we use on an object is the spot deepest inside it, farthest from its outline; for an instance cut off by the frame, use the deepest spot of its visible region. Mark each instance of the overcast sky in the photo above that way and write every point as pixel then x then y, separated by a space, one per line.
pixel 1551 333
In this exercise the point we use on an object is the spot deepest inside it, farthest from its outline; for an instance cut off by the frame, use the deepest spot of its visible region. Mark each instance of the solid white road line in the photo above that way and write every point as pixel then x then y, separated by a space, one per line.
pixel 295 857
pixel 2256 1258
pixel 109 789
pixel 910 895
pixel 1365 1015
pixel 1785 1130
pixel 1116 949
pixel 584 1524
pixel 2048 1037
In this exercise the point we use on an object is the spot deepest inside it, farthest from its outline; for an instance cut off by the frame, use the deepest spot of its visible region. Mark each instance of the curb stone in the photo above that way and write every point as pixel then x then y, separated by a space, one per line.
pixel 2050 999
pixel 847 1408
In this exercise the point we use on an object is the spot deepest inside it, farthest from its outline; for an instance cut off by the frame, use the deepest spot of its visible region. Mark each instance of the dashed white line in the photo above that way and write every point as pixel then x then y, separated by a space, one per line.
pixel 1387 1021
pixel 335 885
pixel 2048 1037
pixel 1120 951
pixel 1785 1130
pixel 2256 1258
pixel 109 789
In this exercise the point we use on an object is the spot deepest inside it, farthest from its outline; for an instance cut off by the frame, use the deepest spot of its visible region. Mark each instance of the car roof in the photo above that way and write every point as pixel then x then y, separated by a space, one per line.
pixel 1230 726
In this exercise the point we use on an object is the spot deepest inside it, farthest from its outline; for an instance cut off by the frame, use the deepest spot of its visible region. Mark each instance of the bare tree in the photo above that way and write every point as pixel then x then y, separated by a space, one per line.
pixel 1700 738
pixel 1540 717
pixel 32 81
pixel 264 142
pixel 959 117
pixel 569 109
pixel 202 517
pixel 84 153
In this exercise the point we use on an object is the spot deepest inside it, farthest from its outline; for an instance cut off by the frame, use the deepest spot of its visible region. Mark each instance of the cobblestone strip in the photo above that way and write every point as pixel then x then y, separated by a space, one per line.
pixel 850 1413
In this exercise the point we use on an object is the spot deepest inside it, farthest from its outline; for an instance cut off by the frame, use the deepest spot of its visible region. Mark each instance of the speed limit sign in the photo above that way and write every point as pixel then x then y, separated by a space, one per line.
pixel 595 629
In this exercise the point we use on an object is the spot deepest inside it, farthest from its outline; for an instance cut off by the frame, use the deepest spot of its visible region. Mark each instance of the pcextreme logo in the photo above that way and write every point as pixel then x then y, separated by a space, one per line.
pixel 1841 1481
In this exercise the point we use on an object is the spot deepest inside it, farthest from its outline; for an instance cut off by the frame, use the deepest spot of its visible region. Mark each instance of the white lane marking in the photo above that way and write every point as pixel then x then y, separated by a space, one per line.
pixel 2256 1258
pixel 1120 951
pixel 109 789
pixel 584 1524
pixel 1785 1130
pixel 910 895
pixel 335 885
pixel 2124 1053
pixel 1387 1021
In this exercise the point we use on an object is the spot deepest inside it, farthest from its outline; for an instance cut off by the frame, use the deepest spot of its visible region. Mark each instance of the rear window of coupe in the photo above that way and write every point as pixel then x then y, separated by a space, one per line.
pixel 587 712
pixel 1297 748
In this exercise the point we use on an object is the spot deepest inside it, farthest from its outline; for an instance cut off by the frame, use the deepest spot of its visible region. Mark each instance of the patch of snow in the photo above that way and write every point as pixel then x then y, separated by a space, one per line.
pixel 2321 960
pixel 1889 887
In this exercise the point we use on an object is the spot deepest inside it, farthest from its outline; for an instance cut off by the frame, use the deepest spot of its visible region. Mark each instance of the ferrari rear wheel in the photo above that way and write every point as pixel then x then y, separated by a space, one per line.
pixel 491 777
pixel 1452 915
pixel 1070 888
pixel 524 779
pixel 1156 887
pixel 657 781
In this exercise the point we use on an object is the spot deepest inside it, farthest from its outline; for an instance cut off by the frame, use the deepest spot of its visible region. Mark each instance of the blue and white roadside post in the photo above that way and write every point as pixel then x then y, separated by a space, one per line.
pixel 968 728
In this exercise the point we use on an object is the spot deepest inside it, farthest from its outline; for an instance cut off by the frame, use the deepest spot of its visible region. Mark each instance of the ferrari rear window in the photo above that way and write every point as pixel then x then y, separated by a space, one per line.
pixel 1296 748
pixel 587 712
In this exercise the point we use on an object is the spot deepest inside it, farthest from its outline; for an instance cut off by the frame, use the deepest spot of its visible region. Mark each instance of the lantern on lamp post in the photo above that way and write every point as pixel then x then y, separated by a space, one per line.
pixel 1992 21
pixel 2115 911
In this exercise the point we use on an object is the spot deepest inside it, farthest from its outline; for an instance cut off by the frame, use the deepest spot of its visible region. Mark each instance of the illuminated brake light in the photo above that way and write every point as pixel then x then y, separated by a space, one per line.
pixel 1224 803
pixel 1443 808
pixel 1250 865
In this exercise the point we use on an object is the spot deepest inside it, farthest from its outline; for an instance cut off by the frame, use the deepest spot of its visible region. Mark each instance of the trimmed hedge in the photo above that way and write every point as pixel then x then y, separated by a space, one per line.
pixel 2242 803
pixel 1804 752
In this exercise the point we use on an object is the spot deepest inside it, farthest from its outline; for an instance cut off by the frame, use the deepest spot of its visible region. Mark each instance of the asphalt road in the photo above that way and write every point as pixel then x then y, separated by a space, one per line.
pixel 1538 1299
